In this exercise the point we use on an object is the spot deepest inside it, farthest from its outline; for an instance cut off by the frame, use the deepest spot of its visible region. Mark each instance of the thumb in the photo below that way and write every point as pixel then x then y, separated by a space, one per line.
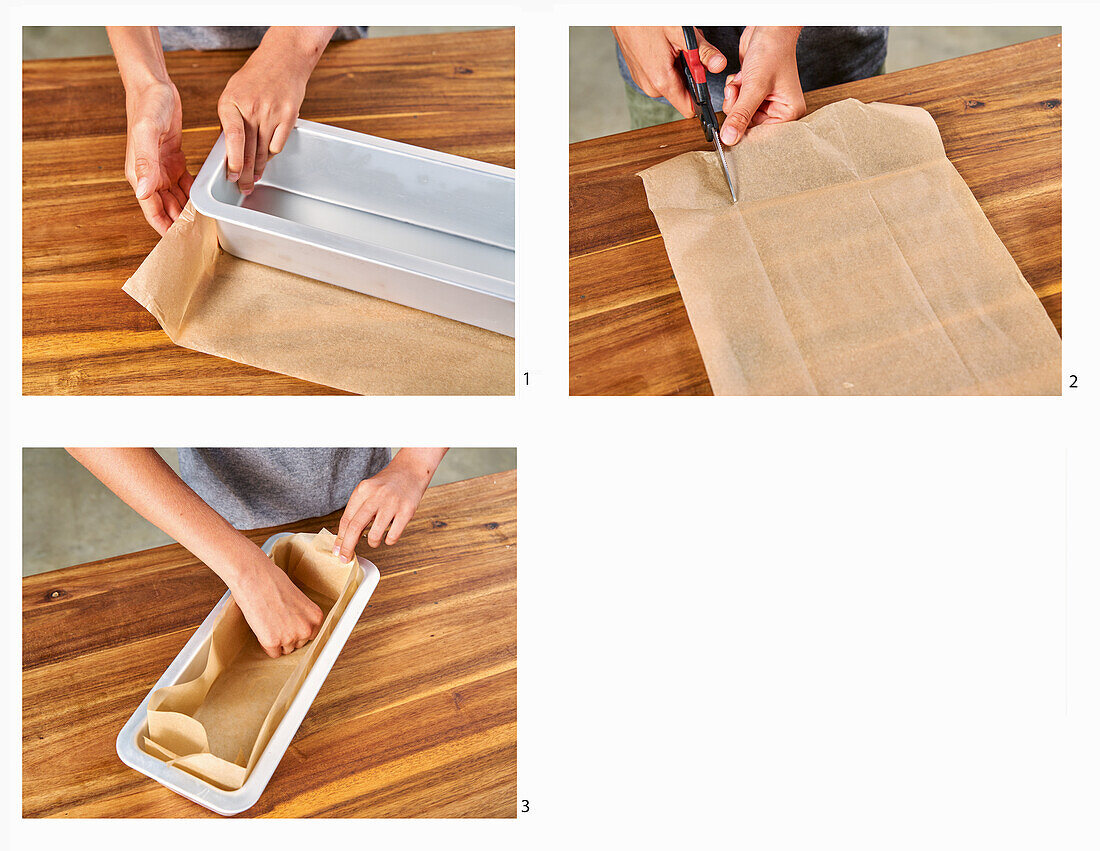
pixel 746 101
pixel 709 55
pixel 146 140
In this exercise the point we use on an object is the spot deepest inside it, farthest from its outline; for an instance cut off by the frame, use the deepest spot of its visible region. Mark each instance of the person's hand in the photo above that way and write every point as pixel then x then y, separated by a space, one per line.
pixel 652 56
pixel 155 165
pixel 282 618
pixel 260 102
pixel 389 499
pixel 766 90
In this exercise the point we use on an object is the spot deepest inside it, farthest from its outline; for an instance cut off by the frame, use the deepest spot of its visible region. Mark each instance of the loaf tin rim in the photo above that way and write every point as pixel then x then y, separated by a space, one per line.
pixel 231 802
pixel 204 202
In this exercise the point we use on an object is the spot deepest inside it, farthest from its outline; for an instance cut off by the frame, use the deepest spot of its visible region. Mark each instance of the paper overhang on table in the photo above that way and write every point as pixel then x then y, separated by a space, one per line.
pixel 216 725
pixel 210 301
pixel 856 261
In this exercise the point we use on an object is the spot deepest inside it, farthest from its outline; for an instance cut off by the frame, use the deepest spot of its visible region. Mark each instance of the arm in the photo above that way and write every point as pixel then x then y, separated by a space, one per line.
pixel 390 497
pixel 155 165
pixel 766 90
pixel 260 103
pixel 652 57
pixel 280 615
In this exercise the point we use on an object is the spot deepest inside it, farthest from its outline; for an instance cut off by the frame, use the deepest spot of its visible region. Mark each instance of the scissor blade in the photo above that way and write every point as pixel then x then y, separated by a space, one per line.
pixel 725 166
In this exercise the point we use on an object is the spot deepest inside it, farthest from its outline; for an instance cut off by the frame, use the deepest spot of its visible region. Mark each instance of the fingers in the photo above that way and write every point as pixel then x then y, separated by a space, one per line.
pixel 153 209
pixel 762 117
pixel 381 520
pixel 299 635
pixel 746 101
pixel 349 535
pixel 729 93
pixel 279 137
pixel 672 87
pixel 233 127
pixel 171 205
pixel 355 502
pixel 145 138
pixel 400 521
pixel 247 181
pixel 709 55
pixel 263 147
pixel 181 191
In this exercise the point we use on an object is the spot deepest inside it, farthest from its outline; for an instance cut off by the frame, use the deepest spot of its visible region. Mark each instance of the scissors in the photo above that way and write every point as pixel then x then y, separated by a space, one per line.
pixel 695 76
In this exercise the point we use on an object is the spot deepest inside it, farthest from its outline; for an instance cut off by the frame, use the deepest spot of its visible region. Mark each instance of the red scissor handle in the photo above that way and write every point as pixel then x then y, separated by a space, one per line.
pixel 695 67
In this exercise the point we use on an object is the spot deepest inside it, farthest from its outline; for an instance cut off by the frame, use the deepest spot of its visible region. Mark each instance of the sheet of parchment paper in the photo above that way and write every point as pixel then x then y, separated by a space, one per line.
pixel 213 302
pixel 216 725
pixel 855 261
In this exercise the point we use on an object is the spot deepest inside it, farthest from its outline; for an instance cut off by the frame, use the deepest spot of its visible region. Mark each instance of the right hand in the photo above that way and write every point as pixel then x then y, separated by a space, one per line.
pixel 155 165
pixel 652 56
pixel 282 618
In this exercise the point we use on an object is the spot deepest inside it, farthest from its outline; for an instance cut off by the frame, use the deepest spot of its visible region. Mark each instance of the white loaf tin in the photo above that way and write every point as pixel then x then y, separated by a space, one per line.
pixel 417 227
pixel 189 664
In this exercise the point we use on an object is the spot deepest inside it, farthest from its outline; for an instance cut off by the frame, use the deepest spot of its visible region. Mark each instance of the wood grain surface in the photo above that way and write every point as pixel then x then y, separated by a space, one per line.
pixel 416 719
pixel 1000 116
pixel 84 234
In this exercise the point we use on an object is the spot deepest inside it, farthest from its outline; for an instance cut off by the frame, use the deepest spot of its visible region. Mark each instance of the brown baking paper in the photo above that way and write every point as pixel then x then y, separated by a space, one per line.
pixel 855 261
pixel 213 302
pixel 217 725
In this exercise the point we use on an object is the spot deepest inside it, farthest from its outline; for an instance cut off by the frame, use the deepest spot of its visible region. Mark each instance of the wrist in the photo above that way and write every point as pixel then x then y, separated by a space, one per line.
pixel 139 56
pixel 147 91
pixel 420 463
pixel 786 37
pixel 293 50
pixel 234 558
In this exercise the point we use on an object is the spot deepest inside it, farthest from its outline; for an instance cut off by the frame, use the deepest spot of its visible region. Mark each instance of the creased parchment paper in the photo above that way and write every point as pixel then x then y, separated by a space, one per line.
pixel 216 725
pixel 213 302
pixel 855 261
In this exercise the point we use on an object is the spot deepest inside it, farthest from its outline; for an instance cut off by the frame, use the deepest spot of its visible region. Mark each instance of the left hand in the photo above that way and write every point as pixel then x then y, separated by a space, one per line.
pixel 766 90
pixel 389 499
pixel 260 103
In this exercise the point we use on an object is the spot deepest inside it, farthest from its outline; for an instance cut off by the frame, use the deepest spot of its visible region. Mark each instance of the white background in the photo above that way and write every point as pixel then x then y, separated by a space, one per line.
pixel 746 623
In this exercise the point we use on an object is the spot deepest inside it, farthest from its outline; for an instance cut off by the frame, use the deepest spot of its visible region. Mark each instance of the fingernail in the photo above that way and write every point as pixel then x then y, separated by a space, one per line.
pixel 233 175
pixel 142 188
pixel 336 550
pixel 729 135
pixel 344 558
pixel 246 192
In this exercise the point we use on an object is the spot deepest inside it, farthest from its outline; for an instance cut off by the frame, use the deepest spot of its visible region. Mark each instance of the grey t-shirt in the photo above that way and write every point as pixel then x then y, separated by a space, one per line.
pixel 266 487
pixel 231 38
pixel 827 56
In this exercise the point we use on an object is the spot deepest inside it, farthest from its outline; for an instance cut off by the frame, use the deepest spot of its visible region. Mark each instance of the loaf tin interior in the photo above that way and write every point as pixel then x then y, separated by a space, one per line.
pixel 425 205
pixel 190 662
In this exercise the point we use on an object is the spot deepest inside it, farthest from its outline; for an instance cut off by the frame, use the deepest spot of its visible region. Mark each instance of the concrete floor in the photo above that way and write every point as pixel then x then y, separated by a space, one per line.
pixel 597 105
pixel 61 42
pixel 69 517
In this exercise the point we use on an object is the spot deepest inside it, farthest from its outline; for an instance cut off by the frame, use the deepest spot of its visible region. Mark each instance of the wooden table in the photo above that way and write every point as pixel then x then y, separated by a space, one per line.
pixel 417 717
pixel 84 234
pixel 1000 115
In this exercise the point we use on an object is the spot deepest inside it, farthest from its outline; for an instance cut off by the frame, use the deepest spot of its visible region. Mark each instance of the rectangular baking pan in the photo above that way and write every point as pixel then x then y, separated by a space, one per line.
pixel 189 664
pixel 417 227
